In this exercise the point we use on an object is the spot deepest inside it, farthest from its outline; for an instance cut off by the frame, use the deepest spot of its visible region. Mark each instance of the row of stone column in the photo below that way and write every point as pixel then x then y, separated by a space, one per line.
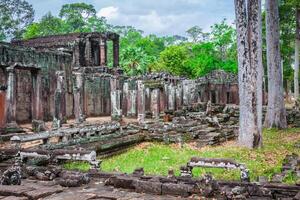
pixel 172 97
pixel 102 54
pixel 169 98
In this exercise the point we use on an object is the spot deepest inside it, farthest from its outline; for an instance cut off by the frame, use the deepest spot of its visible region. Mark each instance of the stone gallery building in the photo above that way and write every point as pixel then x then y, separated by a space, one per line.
pixel 55 78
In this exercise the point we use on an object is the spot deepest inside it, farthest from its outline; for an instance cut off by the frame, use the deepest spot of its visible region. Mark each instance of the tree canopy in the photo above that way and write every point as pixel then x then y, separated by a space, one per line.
pixel 15 16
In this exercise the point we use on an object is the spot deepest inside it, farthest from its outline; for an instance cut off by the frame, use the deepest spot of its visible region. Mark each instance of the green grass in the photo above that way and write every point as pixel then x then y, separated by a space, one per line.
pixel 79 166
pixel 157 158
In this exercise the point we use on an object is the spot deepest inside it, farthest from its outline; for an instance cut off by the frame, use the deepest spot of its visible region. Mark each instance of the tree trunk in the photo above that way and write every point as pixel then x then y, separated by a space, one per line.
pixel 276 113
pixel 296 71
pixel 297 46
pixel 248 22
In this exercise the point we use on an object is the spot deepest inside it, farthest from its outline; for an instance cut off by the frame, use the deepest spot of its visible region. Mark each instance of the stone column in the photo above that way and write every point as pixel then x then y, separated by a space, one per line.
pixel 116 111
pixel 171 97
pixel 141 101
pixel 186 92
pixel 2 109
pixel 103 52
pixel 76 54
pixel 179 96
pixel 115 98
pixel 125 97
pixel 88 52
pixel 11 98
pixel 155 103
pixel 131 103
pixel 116 51
pixel 79 98
pixel 37 101
pixel 59 101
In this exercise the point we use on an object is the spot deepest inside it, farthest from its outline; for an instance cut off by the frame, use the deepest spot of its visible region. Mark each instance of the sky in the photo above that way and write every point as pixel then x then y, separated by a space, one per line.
pixel 161 17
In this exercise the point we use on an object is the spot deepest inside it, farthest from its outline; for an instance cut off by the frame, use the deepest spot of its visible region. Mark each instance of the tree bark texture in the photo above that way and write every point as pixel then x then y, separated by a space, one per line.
pixel 276 113
pixel 297 46
pixel 249 41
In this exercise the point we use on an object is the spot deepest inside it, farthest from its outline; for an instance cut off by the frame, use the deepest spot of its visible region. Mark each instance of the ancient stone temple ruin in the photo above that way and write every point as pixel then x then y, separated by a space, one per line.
pixel 79 104
pixel 67 76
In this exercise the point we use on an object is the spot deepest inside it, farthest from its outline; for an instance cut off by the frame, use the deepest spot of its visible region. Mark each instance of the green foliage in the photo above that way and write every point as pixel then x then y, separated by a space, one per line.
pixel 158 158
pixel 49 25
pixel 15 15
pixel 173 60
pixel 138 53
pixel 287 12
pixel 134 60
pixel 76 15
pixel 224 39
pixel 203 59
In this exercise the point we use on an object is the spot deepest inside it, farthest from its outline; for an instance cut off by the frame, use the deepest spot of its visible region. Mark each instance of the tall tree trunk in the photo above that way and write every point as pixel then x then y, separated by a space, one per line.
pixel 297 46
pixel 248 22
pixel 276 113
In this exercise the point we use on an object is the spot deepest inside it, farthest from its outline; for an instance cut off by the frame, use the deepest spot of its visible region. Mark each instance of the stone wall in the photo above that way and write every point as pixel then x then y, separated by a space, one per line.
pixel 97 95
pixel 24 95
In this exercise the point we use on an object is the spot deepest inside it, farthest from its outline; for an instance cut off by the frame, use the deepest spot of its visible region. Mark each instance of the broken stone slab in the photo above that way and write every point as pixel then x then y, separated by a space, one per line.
pixel 14 198
pixel 14 190
pixel 83 131
pixel 42 192
pixel 56 155
pixel 220 163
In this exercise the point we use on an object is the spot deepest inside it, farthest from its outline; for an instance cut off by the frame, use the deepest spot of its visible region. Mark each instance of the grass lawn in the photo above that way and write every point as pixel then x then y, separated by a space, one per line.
pixel 157 158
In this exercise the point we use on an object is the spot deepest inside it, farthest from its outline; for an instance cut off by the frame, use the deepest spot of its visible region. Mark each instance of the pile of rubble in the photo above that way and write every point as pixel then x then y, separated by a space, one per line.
pixel 211 127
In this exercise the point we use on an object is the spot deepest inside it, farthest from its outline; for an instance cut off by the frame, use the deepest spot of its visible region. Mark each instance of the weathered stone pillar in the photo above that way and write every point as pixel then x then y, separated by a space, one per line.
pixel 171 97
pixel 103 52
pixel 116 111
pixel 155 103
pixel 162 101
pixel 115 98
pixel 141 101
pixel 131 103
pixel 59 101
pixel 188 92
pixel 125 96
pixel 185 90
pixel 166 95
pixel 76 54
pixel 88 52
pixel 2 109
pixel 11 98
pixel 179 96
pixel 116 52
pixel 79 98
pixel 37 101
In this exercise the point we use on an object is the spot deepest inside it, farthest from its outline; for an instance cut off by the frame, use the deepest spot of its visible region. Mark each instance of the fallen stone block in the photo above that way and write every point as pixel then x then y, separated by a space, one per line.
pixel 148 187
pixel 176 189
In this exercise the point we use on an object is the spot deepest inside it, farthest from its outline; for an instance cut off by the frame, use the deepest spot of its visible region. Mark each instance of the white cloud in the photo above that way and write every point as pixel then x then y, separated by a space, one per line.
pixel 109 13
